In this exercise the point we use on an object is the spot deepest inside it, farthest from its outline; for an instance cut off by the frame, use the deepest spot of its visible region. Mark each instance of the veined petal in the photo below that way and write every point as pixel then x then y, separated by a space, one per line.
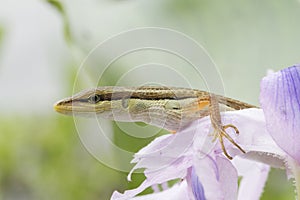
pixel 176 192
pixel 228 178
pixel 253 137
pixel 165 149
pixel 197 190
pixel 218 178
pixel 177 169
pixel 170 157
pixel 280 101
pixel 254 176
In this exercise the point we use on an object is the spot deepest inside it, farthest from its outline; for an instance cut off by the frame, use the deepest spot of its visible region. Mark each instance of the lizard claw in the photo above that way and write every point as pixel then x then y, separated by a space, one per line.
pixel 231 126
pixel 220 133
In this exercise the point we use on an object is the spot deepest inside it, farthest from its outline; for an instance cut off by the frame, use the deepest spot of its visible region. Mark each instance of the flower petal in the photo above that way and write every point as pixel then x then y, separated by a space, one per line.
pixel 254 176
pixel 280 101
pixel 218 177
pixel 228 178
pixel 196 186
pixel 176 192
pixel 175 170
pixel 253 137
pixel 165 150
pixel 170 157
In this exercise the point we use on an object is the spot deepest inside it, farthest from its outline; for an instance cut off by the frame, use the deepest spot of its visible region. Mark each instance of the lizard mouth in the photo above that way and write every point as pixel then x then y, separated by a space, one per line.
pixel 69 107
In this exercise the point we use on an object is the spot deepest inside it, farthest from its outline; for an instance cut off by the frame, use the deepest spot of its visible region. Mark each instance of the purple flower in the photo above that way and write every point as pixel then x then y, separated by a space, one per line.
pixel 204 171
pixel 270 136
pixel 280 100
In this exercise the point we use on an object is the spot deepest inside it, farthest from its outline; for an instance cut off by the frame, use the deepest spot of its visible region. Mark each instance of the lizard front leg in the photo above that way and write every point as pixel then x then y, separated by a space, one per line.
pixel 219 128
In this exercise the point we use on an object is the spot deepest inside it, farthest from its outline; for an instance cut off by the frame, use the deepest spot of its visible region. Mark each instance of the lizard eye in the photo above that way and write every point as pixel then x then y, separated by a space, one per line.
pixel 94 98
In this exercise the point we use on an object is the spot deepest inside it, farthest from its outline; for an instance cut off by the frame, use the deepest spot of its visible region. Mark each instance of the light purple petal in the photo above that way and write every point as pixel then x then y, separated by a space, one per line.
pixel 176 192
pixel 218 177
pixel 253 138
pixel 197 188
pixel 170 157
pixel 228 178
pixel 197 139
pixel 131 193
pixel 165 150
pixel 280 101
pixel 207 171
pixel 178 169
pixel 254 176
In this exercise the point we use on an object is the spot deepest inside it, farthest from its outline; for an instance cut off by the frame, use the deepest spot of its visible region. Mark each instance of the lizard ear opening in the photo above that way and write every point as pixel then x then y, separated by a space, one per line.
pixel 125 103
pixel 172 105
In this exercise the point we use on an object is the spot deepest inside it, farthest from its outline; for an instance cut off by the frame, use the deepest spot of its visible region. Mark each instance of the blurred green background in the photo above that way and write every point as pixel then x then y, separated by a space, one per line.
pixel 43 43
